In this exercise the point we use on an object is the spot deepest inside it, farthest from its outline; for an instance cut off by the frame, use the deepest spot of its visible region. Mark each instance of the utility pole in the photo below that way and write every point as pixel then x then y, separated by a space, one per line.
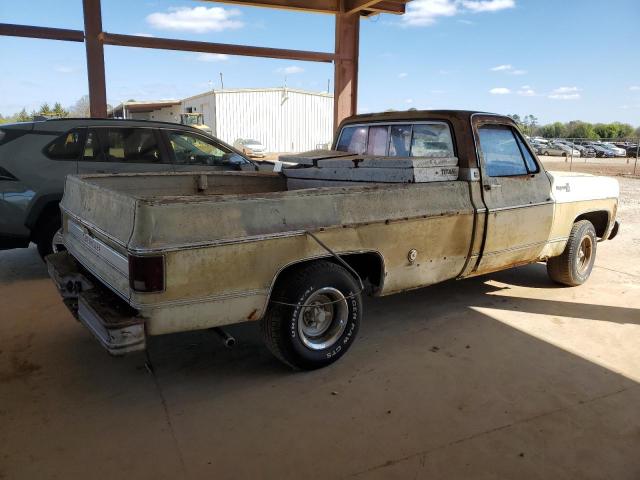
pixel 221 82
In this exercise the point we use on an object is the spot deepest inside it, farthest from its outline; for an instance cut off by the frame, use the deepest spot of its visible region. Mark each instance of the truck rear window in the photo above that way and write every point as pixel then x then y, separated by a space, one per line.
pixel 424 139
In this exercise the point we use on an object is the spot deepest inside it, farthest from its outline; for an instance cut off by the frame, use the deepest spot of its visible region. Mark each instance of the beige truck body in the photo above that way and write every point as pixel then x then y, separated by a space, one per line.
pixel 224 248
pixel 226 238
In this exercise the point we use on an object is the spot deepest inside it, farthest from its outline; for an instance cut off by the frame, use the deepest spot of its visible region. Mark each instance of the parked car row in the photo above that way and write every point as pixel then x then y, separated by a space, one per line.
pixel 583 148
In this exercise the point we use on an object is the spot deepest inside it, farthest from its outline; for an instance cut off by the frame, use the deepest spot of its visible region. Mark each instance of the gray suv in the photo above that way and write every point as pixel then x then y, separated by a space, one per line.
pixel 35 158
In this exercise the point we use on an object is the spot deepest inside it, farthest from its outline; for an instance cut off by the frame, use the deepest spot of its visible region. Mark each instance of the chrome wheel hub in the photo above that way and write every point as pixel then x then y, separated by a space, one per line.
pixel 585 253
pixel 323 319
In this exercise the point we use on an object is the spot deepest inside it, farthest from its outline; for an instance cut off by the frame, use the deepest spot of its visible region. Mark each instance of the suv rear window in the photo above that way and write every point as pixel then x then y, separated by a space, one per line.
pixel 67 146
pixel 424 139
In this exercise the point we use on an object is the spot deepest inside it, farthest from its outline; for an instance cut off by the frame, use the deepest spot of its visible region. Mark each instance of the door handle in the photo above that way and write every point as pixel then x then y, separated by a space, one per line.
pixel 491 186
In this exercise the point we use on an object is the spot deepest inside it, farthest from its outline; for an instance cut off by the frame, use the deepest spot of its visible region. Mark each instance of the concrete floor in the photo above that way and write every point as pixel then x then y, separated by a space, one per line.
pixel 504 376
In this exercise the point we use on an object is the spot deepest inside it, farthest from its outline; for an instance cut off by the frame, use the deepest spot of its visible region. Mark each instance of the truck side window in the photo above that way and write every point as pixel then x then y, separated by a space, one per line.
pixel 353 140
pixel 528 159
pixel 377 143
pixel 502 155
pixel 400 141
pixel 67 146
pixel 431 140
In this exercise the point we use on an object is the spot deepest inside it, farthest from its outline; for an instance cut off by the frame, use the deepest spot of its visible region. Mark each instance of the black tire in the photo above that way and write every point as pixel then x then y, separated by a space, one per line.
pixel 45 232
pixel 283 326
pixel 572 268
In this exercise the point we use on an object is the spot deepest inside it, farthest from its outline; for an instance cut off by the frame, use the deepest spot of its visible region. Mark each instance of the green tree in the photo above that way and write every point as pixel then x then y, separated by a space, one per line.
pixel 23 116
pixel 553 130
pixel 58 111
pixel 579 129
pixel 45 110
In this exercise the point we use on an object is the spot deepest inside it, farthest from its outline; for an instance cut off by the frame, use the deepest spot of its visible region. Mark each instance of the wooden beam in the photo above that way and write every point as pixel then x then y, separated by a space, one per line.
pixel 322 6
pixel 95 58
pixel 345 95
pixel 12 30
pixel 355 6
pixel 316 6
pixel 207 47
pixel 395 8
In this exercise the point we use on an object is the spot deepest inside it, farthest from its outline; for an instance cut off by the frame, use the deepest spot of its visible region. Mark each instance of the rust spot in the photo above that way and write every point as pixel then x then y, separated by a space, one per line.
pixel 252 315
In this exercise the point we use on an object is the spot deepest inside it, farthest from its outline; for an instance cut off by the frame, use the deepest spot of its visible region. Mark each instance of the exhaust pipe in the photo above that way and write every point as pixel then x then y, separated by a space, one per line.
pixel 227 339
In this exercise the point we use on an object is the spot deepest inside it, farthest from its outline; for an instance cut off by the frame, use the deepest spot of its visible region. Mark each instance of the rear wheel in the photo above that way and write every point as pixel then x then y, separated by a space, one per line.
pixel 574 266
pixel 314 315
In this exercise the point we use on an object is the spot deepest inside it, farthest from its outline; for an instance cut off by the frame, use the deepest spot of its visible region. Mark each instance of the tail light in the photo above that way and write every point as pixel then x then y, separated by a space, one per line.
pixel 146 274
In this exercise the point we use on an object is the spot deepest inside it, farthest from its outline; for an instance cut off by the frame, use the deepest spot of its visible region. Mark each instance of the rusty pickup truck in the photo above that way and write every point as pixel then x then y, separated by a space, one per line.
pixel 403 200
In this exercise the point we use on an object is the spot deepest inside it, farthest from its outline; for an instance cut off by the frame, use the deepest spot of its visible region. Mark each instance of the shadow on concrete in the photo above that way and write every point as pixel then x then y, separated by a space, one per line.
pixel 432 385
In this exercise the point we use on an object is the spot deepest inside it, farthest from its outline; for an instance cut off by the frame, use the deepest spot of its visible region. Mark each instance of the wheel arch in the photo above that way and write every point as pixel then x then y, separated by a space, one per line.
pixel 369 265
pixel 42 205
pixel 598 218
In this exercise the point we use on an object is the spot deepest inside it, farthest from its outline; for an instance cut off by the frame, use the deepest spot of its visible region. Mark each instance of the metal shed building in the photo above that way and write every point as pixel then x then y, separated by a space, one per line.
pixel 283 119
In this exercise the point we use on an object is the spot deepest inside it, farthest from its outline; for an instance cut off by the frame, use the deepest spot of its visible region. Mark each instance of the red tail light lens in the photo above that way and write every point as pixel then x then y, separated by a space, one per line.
pixel 146 274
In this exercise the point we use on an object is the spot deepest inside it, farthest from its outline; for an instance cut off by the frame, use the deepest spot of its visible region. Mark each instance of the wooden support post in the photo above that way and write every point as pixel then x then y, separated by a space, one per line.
pixel 95 57
pixel 345 96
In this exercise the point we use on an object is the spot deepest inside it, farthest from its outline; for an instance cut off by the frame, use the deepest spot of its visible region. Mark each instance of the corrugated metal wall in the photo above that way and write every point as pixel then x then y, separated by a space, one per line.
pixel 284 120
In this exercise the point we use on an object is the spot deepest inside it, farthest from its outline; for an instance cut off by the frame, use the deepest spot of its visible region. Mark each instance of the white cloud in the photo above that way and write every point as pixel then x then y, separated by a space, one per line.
pixel 526 91
pixel 64 69
pixel 212 57
pixel 499 91
pixel 403 75
pixel 196 19
pixel 466 22
pixel 565 93
pixel 421 13
pixel 292 70
pixel 508 68
pixel 488 5
pixel 143 34
pixel 408 101
pixel 634 88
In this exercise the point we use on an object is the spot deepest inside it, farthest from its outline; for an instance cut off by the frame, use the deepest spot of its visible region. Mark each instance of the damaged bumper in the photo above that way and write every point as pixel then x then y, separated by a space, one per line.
pixel 110 319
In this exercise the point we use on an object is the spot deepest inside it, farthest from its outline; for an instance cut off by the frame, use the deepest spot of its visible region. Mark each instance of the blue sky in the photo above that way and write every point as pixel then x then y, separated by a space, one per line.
pixel 559 60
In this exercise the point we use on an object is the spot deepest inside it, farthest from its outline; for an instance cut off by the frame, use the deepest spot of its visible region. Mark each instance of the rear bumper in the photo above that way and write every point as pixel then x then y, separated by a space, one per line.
pixel 117 326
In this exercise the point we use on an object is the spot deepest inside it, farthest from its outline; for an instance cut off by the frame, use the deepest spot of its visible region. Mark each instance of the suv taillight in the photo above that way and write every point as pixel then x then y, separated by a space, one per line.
pixel 146 274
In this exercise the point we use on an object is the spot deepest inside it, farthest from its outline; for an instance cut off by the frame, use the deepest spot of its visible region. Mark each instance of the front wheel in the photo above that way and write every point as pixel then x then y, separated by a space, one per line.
pixel 313 316
pixel 573 267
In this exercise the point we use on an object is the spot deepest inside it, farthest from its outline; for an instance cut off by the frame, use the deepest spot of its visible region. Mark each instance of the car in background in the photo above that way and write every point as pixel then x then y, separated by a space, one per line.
pixel 585 151
pixel 619 152
pixel 36 157
pixel 632 150
pixel 602 151
pixel 251 148
pixel 559 150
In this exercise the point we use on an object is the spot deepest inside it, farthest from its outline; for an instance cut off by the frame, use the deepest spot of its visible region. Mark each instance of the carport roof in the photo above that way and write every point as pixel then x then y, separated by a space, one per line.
pixel 364 7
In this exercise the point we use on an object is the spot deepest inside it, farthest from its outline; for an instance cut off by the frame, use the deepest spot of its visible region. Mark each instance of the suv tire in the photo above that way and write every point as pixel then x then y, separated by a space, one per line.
pixel 45 231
